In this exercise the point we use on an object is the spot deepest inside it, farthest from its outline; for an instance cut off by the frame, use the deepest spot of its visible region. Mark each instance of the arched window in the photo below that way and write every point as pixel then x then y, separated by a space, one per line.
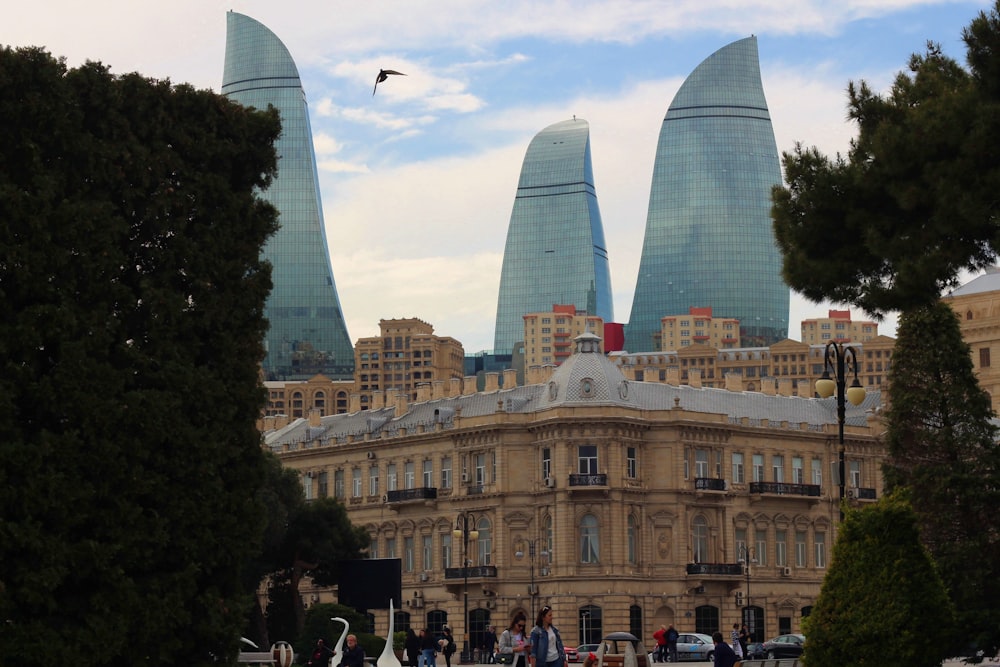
pixel 699 539
pixel 485 542
pixel 706 619
pixel 633 536
pixel 590 539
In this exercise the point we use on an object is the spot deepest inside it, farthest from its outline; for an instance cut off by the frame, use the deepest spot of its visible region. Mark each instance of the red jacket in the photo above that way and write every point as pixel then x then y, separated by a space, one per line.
pixel 661 637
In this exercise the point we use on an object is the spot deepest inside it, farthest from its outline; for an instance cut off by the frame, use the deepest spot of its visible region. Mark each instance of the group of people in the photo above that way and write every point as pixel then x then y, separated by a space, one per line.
pixel 353 654
pixel 421 650
pixel 543 644
pixel 727 655
pixel 666 644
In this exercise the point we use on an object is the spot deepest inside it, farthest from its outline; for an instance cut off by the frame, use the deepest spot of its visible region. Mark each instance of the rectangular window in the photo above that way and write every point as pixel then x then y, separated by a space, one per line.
pixel 760 550
pixel 701 463
pixel 428 473
pixel 587 459
pixel 780 548
pixel 758 467
pixel 798 473
pixel 738 472
pixel 820 549
pixel 307 486
pixel 408 555
pixel 778 468
pixel 373 548
pixel 426 557
pixel 984 357
pixel 630 463
pixel 323 490
pixel 338 484
pixel 390 547
pixel 817 472
pixel 546 462
pixel 741 543
pixel 855 474
pixel 800 548
pixel 446 472
pixel 390 477
pixel 373 481
pixel 446 550
pixel 480 469
pixel 409 474
pixel 356 483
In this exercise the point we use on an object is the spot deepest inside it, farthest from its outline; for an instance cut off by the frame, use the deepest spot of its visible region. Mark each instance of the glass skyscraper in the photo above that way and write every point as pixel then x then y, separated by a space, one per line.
pixel 555 252
pixel 709 240
pixel 307 333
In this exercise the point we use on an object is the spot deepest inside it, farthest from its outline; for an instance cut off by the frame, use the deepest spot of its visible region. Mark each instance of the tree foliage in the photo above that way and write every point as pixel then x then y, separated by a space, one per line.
pixel 891 224
pixel 943 448
pixel 132 291
pixel 882 601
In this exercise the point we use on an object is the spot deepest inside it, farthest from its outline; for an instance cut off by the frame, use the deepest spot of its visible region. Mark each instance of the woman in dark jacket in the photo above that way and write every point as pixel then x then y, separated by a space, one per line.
pixel 412 647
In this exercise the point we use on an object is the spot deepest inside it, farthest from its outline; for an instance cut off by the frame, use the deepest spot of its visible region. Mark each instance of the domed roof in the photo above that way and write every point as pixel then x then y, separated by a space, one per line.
pixel 587 377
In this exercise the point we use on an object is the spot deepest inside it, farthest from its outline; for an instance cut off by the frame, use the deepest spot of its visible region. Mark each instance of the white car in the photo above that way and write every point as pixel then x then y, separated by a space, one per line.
pixel 695 646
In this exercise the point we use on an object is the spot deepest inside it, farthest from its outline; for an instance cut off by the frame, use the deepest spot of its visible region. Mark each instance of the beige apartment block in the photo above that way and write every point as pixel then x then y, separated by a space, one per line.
pixel 637 499
pixel 977 305
pixel 548 336
pixel 698 327
pixel 839 327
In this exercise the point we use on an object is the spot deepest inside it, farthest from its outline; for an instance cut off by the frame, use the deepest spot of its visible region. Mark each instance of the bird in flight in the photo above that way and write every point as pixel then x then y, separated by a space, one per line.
pixel 383 74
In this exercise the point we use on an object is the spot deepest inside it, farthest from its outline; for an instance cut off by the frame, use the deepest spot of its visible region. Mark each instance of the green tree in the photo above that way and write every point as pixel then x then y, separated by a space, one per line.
pixel 882 601
pixel 943 448
pixel 890 225
pixel 132 294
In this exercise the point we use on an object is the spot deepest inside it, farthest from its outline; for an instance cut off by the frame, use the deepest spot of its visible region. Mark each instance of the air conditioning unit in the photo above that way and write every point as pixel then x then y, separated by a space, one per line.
pixel 385 498
pixel 465 478
pixel 786 571
pixel 371 455
pixel 423 576
pixel 418 594
pixel 550 482
pixel 415 603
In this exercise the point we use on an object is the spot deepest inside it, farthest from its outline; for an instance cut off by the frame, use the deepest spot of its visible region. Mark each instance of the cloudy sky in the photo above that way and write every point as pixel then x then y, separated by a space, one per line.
pixel 418 180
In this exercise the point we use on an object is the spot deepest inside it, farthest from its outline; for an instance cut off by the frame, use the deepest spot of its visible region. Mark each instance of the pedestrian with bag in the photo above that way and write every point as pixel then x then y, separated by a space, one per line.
pixel 546 643
pixel 513 643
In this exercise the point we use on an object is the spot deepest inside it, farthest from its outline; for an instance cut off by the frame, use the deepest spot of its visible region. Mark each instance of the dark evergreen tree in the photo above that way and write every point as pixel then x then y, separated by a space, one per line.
pixel 882 601
pixel 943 448
pixel 132 294
pixel 890 225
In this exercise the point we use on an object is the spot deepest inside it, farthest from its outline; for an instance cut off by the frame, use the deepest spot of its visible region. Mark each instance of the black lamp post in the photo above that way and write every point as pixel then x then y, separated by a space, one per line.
pixel 840 359
pixel 465 529
pixel 519 554
pixel 746 559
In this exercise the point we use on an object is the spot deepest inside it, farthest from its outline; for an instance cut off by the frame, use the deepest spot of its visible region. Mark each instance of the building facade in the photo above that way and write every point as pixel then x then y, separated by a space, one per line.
pixel 404 355
pixel 307 333
pixel 837 326
pixel 708 238
pixel 621 504
pixel 977 305
pixel 555 251
pixel 697 327
pixel 548 336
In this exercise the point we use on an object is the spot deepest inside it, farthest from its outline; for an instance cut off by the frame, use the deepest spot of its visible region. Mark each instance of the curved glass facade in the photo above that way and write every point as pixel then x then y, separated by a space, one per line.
pixel 555 252
pixel 709 240
pixel 307 333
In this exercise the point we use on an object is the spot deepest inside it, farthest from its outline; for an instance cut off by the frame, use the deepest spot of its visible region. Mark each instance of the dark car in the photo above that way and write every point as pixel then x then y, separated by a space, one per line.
pixel 784 646
pixel 755 651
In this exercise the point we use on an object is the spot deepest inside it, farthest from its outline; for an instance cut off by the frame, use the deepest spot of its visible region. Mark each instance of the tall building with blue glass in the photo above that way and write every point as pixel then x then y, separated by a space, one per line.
pixel 709 241
pixel 307 333
pixel 555 252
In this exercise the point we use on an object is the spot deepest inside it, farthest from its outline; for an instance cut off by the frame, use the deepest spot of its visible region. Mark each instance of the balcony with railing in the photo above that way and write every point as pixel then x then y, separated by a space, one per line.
pixel 783 489
pixel 710 484
pixel 715 569
pixel 862 494
pixel 410 495
pixel 474 572
pixel 588 480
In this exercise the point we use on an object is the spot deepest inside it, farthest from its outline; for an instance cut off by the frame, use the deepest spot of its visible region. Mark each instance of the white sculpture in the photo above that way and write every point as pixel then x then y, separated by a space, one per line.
pixel 388 657
pixel 338 654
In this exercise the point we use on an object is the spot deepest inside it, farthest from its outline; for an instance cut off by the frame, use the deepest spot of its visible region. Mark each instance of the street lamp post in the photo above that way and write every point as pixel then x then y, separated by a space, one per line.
pixel 840 359
pixel 746 559
pixel 519 554
pixel 465 529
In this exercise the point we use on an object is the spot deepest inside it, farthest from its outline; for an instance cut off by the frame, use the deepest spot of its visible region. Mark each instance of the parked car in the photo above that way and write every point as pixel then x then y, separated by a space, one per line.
pixel 755 651
pixel 583 650
pixel 695 646
pixel 572 655
pixel 784 646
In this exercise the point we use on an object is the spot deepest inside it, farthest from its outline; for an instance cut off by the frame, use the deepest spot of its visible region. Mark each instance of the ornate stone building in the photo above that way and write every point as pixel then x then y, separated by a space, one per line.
pixel 622 504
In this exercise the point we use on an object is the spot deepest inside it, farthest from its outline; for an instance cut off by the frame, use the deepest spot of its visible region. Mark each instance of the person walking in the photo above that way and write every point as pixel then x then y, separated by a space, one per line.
pixel 489 644
pixel 744 640
pixel 734 640
pixel 447 643
pixel 660 636
pixel 724 656
pixel 546 644
pixel 513 643
pixel 672 637
pixel 412 648
pixel 428 648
